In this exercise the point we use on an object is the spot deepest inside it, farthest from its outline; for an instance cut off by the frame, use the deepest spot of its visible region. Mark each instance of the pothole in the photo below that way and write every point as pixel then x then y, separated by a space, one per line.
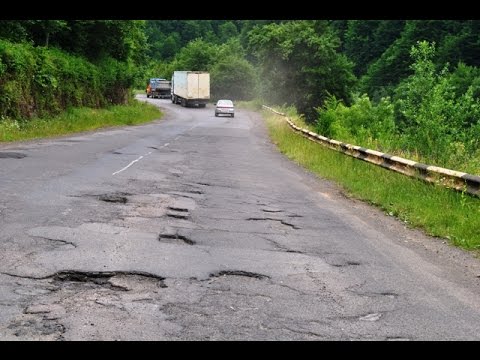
pixel 390 295
pixel 202 183
pixel 294 251
pixel 347 263
pixel 239 273
pixel 12 155
pixel 353 263
pixel 176 237
pixel 283 222
pixel 114 198
pixel 177 209
pixel 101 278
pixel 178 216
pixel 371 317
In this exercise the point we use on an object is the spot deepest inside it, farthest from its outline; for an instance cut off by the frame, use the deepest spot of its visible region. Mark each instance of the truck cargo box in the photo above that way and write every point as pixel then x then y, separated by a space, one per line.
pixel 191 88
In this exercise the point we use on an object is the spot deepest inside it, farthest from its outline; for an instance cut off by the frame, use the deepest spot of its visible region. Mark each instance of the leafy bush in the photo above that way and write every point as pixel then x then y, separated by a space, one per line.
pixel 438 112
pixel 363 123
pixel 36 81
pixel 434 116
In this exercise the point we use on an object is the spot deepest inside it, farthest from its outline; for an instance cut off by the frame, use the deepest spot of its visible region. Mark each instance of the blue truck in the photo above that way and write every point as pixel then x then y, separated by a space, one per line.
pixel 158 88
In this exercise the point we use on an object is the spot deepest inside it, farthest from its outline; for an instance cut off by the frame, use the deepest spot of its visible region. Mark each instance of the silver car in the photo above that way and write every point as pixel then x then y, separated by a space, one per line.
pixel 225 107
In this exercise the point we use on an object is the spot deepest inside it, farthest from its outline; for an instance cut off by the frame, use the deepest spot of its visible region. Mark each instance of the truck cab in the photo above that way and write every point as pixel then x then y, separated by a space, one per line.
pixel 158 88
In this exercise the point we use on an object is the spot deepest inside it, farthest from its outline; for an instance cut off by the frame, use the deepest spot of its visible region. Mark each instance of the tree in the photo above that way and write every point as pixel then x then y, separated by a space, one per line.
pixel 198 55
pixel 226 31
pixel 13 30
pixel 99 39
pixel 191 30
pixel 366 40
pixel 300 64
pixel 233 78
pixel 393 65
pixel 42 30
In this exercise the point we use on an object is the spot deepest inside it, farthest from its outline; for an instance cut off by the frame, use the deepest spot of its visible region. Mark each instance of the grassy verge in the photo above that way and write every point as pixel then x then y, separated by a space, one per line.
pixel 138 92
pixel 438 211
pixel 78 119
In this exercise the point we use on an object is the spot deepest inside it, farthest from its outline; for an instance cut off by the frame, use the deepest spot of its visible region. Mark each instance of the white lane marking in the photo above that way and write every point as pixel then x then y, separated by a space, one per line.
pixel 134 161
pixel 141 157
pixel 126 167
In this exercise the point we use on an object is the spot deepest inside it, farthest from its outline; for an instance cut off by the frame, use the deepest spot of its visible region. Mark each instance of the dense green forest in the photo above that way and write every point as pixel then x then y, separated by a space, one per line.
pixel 410 87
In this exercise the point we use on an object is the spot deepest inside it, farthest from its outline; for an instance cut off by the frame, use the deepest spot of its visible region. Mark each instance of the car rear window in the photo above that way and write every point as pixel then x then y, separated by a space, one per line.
pixel 224 103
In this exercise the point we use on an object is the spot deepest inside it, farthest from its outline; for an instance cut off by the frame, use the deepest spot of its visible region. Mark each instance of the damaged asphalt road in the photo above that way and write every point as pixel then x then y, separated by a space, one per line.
pixel 196 228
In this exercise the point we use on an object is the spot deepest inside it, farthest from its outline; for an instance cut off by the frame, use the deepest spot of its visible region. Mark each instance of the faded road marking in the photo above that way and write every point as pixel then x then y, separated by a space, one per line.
pixel 126 167
pixel 134 161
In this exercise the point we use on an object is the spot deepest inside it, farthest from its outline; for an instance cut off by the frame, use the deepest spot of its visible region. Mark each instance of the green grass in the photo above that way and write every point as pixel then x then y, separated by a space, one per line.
pixel 77 120
pixel 438 211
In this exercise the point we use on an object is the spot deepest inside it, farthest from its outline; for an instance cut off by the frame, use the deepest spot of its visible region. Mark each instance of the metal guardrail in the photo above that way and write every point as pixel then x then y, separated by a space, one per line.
pixel 449 178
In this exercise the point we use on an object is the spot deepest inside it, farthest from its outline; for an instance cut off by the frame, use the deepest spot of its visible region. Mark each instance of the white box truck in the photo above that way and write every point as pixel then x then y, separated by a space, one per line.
pixel 191 88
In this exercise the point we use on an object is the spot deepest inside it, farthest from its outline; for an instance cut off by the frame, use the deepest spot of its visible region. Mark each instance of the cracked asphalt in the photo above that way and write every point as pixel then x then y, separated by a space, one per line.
pixel 196 228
